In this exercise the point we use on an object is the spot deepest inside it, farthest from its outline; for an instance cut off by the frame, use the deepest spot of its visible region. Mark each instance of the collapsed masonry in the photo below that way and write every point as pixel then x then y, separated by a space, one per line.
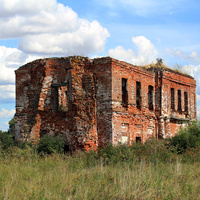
pixel 93 102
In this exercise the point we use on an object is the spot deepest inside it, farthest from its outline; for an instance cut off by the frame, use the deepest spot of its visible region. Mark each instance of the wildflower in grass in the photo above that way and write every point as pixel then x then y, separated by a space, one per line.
pixel 103 182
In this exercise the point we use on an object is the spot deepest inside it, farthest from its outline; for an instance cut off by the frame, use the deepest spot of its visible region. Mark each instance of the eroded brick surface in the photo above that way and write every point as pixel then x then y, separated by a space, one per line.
pixel 95 102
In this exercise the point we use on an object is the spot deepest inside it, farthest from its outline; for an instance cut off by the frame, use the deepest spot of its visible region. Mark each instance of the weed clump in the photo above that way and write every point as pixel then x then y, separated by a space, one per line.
pixel 6 141
pixel 50 145
pixel 188 138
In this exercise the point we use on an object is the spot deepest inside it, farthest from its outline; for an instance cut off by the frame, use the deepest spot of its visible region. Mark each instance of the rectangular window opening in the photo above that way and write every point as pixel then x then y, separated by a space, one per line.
pixel 179 101
pixel 186 101
pixel 138 95
pixel 172 99
pixel 150 97
pixel 124 93
pixel 60 96
pixel 138 139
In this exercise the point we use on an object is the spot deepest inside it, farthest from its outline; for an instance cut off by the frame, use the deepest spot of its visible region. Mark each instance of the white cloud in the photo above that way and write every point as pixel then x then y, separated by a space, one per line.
pixel 88 38
pixel 49 27
pixel 7 93
pixel 13 7
pixel 7 113
pixel 198 97
pixel 7 88
pixel 198 112
pixel 144 7
pixel 145 52
pixel 193 57
pixel 6 123
pixel 193 70
pixel 10 60
pixel 7 65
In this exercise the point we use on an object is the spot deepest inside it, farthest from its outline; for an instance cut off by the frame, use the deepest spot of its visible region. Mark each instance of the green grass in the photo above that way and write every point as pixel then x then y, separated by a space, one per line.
pixel 26 175
pixel 159 170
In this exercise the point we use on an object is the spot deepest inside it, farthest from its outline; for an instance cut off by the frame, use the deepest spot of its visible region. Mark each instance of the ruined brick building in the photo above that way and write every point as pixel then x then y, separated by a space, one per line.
pixel 91 102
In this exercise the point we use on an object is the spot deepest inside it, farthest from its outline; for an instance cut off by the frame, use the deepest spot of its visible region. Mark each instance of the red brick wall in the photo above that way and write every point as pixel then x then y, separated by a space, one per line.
pixel 35 106
pixel 103 77
pixel 81 99
pixel 131 122
pixel 183 83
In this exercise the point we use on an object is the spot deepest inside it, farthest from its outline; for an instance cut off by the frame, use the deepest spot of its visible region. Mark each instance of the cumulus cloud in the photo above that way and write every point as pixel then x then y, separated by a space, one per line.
pixel 47 27
pixel 193 70
pixel 87 39
pixel 145 52
pixel 193 57
pixel 10 7
pixel 144 7
pixel 7 93
pixel 10 60
pixel 7 113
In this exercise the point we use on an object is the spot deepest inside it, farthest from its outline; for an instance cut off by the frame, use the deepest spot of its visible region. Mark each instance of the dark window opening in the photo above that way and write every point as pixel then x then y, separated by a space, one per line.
pixel 60 96
pixel 66 148
pixel 138 139
pixel 172 99
pixel 124 92
pixel 43 133
pixel 138 95
pixel 179 101
pixel 186 101
pixel 150 97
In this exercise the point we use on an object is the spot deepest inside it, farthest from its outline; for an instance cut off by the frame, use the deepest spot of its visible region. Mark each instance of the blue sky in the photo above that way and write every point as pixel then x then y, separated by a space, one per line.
pixel 131 30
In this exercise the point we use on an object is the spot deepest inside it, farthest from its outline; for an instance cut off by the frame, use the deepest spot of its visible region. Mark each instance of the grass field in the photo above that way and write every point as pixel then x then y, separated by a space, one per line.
pixel 26 175
pixel 159 170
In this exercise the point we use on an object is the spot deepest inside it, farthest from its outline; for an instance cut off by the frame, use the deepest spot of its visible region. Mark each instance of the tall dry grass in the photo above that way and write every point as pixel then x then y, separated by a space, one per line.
pixel 26 175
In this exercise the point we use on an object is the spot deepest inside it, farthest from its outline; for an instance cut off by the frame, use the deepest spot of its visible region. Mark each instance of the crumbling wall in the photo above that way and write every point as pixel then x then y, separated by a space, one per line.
pixel 103 81
pixel 28 89
pixel 83 104
pixel 57 96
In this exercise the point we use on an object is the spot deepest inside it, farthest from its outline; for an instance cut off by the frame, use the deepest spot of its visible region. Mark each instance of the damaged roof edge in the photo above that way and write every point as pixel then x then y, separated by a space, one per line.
pixel 149 67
